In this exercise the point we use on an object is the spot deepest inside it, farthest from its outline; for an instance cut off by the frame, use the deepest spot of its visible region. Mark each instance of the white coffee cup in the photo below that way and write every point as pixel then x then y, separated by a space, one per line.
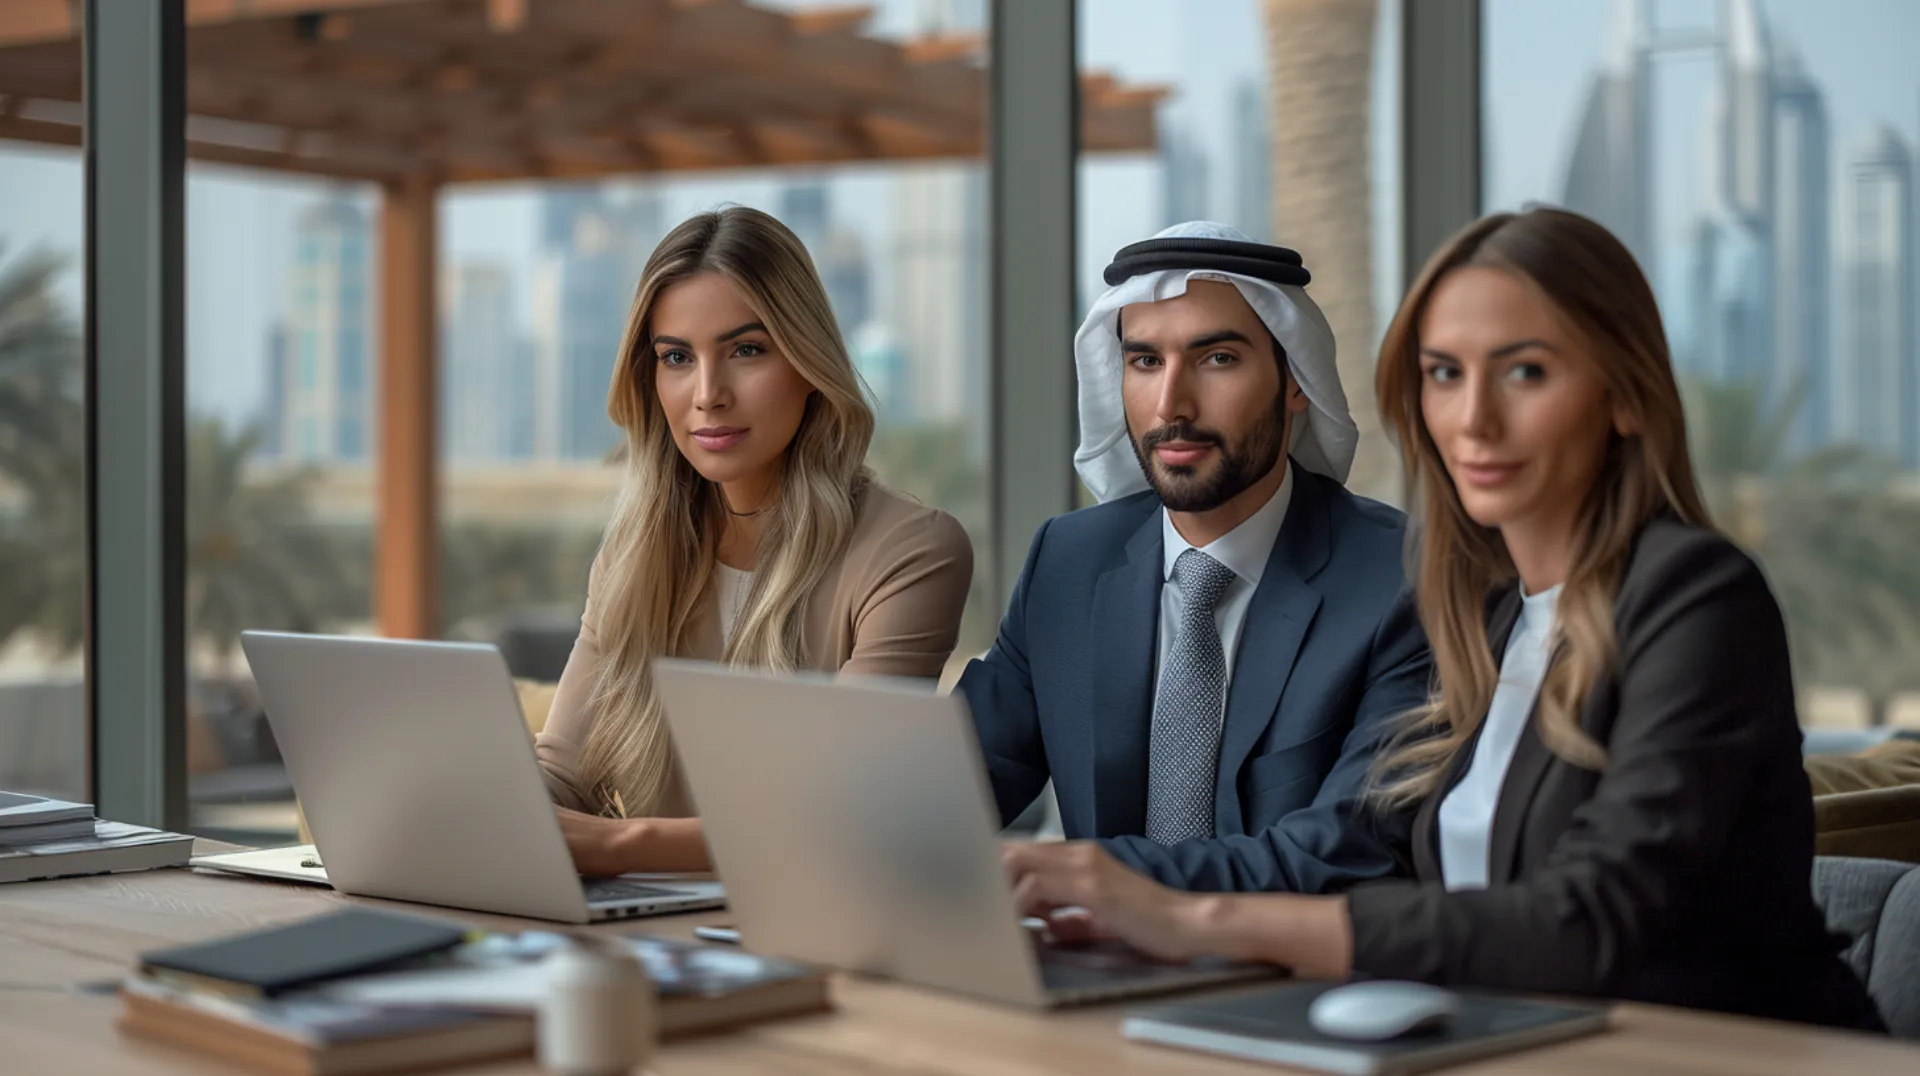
pixel 598 1016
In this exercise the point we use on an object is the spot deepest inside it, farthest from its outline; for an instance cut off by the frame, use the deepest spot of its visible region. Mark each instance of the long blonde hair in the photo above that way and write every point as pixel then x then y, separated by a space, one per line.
pixel 1594 285
pixel 657 559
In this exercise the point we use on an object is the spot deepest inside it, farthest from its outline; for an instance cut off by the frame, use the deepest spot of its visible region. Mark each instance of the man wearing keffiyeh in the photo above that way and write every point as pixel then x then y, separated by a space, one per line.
pixel 1204 663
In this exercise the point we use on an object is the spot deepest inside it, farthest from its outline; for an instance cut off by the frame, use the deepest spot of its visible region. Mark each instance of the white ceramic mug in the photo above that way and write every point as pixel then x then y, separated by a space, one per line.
pixel 598 1016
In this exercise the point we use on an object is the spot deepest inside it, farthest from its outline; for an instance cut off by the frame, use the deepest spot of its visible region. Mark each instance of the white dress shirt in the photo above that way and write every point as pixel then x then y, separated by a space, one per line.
pixel 1466 815
pixel 1244 550
pixel 734 584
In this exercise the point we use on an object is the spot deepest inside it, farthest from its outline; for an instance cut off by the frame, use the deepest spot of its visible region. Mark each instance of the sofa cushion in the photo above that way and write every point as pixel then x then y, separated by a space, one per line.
pixel 1876 904
pixel 1885 765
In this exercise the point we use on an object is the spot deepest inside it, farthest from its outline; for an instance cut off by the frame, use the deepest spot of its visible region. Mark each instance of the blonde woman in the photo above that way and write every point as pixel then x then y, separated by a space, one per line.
pixel 1605 794
pixel 747 530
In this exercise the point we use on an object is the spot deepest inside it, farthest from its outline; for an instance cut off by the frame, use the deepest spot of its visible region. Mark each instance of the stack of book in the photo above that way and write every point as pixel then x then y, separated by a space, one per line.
pixel 49 838
pixel 259 999
pixel 364 991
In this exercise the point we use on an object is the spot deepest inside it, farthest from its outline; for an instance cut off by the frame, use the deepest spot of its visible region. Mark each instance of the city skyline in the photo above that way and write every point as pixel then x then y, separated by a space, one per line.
pixel 240 222
pixel 1757 302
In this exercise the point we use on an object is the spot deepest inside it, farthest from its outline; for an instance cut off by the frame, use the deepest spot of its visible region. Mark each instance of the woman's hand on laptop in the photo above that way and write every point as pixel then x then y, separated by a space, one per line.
pixel 1084 893
pixel 604 847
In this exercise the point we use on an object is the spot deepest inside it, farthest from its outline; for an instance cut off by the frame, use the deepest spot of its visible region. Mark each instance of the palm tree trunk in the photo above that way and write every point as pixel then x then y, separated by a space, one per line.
pixel 1319 83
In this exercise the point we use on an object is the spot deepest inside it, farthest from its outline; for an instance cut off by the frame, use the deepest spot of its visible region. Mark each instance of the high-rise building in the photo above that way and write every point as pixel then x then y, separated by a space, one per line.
pixel 883 366
pixel 478 360
pixel 938 295
pixel 805 206
pixel 273 404
pixel 806 209
pixel 935 297
pixel 848 279
pixel 583 285
pixel 329 398
pixel 1252 187
pixel 1732 327
pixel 521 419
pixel 1757 295
pixel 1610 175
pixel 1185 176
pixel 1744 149
pixel 1802 244
pixel 1877 390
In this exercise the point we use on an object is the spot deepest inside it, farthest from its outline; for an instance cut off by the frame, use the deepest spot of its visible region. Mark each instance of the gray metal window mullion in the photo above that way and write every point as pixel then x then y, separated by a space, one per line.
pixel 1440 123
pixel 1034 138
pixel 135 159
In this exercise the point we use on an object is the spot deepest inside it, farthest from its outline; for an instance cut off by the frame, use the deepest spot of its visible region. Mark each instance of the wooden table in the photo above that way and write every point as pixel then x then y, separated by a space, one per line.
pixel 57 935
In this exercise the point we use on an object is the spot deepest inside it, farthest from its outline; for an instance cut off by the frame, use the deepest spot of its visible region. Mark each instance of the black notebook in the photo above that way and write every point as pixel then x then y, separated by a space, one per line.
pixel 1272 1026
pixel 269 962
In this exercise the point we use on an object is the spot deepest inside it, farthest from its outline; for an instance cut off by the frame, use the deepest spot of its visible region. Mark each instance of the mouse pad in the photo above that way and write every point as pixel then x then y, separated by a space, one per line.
pixel 1273 1025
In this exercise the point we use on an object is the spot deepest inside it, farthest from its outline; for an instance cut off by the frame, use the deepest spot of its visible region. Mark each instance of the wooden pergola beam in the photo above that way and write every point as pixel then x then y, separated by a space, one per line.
pixel 406 555
pixel 371 89
pixel 417 94
pixel 30 21
pixel 368 166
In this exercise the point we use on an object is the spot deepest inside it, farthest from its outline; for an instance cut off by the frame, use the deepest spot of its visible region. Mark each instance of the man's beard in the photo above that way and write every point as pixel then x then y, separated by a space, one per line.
pixel 1186 489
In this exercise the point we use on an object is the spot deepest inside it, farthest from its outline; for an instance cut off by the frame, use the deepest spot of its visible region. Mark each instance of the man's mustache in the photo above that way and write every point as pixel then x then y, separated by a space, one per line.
pixel 1185 432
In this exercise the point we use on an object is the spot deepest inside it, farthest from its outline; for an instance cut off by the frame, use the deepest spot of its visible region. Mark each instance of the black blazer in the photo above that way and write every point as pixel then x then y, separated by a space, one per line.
pixel 1681 874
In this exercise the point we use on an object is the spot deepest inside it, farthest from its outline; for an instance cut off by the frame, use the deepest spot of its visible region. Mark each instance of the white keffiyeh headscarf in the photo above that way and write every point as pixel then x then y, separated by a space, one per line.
pixel 1324 442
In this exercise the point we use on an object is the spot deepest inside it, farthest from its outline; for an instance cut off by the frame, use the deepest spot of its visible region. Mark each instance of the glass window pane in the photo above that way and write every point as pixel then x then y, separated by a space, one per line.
pixel 1281 119
pixel 1757 156
pixel 280 406
pixel 43 538
pixel 536 282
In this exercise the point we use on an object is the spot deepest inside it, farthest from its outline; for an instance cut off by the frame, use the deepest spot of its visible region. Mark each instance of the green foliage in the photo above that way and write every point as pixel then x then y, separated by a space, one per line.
pixel 490 568
pixel 42 440
pixel 1832 529
pixel 255 556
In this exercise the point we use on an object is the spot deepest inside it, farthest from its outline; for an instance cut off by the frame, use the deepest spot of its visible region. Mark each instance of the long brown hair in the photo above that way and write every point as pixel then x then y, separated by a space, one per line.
pixel 656 563
pixel 1592 282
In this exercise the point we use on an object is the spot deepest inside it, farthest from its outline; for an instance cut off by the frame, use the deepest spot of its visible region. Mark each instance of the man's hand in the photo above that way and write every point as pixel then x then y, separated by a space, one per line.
pixel 1083 892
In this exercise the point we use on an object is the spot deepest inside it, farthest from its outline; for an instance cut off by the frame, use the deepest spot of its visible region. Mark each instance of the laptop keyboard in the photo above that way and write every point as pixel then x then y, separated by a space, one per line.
pixel 618 890
pixel 1096 966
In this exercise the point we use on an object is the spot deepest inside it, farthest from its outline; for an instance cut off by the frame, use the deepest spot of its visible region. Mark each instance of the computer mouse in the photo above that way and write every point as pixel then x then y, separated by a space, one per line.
pixel 1381 1009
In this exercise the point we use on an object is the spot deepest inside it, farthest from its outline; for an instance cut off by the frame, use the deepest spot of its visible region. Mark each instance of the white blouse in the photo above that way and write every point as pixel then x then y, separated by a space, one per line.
pixel 734 585
pixel 1466 815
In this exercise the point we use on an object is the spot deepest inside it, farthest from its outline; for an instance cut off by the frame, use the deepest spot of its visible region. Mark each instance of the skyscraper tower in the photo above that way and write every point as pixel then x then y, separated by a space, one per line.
pixel 806 210
pixel 1610 175
pixel 1802 246
pixel 937 293
pixel 1185 176
pixel 1252 170
pixel 583 284
pixel 1744 149
pixel 1758 291
pixel 478 364
pixel 329 396
pixel 1876 402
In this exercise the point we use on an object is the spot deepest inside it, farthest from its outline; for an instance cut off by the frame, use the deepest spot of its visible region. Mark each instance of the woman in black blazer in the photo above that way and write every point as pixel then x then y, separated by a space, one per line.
pixel 1605 794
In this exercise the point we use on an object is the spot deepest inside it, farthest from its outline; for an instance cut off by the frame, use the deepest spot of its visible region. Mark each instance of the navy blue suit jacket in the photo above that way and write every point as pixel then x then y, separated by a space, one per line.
pixel 1330 655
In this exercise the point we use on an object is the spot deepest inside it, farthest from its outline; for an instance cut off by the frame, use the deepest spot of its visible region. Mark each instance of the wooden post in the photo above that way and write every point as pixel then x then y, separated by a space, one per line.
pixel 406 544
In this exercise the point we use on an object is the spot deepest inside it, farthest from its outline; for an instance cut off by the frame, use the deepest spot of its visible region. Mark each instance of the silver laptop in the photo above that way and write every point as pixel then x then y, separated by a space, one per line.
pixel 851 821
pixel 414 769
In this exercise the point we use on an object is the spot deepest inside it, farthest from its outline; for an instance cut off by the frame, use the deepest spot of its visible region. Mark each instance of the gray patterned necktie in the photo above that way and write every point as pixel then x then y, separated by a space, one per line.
pixel 1188 708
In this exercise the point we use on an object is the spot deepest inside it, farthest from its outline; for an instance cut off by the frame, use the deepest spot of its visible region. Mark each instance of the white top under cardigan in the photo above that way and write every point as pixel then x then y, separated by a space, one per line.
pixel 1466 815
pixel 734 584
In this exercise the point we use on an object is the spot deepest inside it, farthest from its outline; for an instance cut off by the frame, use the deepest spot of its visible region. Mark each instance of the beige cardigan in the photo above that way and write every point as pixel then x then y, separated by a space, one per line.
pixel 891 607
